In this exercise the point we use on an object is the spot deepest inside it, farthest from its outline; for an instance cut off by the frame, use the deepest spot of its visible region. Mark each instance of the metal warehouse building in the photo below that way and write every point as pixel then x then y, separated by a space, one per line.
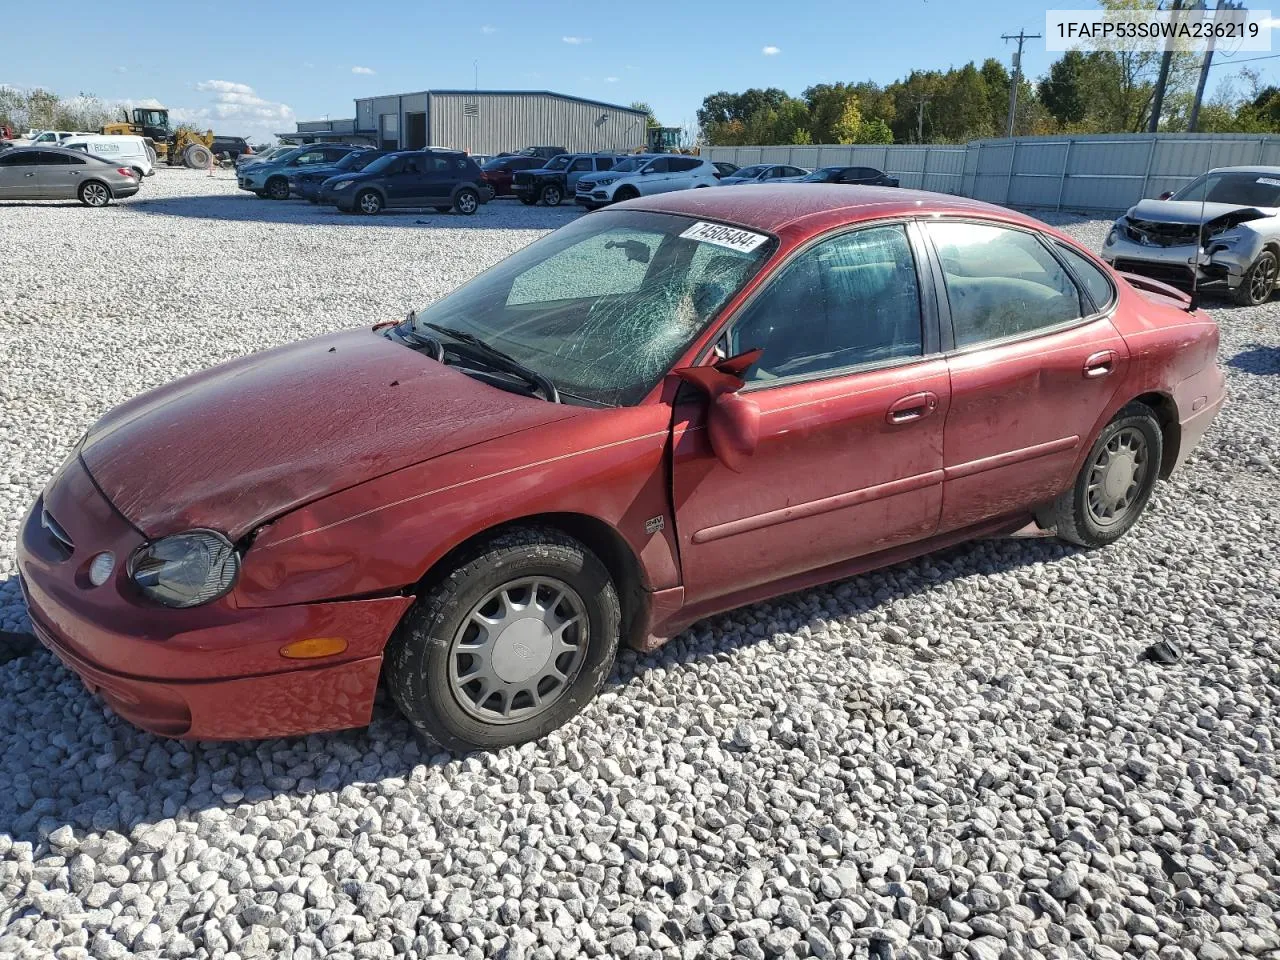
pixel 491 121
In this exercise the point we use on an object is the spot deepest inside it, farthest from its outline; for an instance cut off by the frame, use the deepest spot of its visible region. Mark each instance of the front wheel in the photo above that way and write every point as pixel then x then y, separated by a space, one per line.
pixel 278 188
pixel 626 193
pixel 467 201
pixel 1258 281
pixel 507 647
pixel 369 202
pixel 94 194
pixel 552 195
pixel 1115 483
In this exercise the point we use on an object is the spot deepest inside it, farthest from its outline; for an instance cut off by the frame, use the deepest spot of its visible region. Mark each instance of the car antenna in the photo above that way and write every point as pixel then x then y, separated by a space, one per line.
pixel 1194 303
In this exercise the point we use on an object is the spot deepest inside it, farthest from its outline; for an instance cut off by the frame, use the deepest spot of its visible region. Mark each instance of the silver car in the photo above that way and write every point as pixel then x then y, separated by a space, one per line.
pixel 764 173
pixel 53 173
pixel 1226 223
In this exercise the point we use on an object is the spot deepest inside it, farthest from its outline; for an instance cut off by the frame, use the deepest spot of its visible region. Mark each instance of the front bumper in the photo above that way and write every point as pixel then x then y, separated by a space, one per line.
pixel 1173 265
pixel 253 180
pixel 213 672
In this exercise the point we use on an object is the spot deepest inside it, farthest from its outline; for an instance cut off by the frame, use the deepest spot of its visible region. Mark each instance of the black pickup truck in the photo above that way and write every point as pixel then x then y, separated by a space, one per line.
pixel 559 178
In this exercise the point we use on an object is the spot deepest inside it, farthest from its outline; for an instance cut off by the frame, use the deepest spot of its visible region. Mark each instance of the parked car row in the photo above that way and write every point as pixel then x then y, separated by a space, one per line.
pixel 359 179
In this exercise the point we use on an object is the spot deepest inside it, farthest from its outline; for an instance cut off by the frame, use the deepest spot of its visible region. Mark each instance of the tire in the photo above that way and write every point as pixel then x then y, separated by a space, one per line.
pixel 369 203
pixel 1080 514
pixel 442 209
pixel 260 194
pixel 625 193
pixel 427 661
pixel 137 172
pixel 466 201
pixel 528 201
pixel 197 156
pixel 552 195
pixel 1258 282
pixel 278 188
pixel 94 193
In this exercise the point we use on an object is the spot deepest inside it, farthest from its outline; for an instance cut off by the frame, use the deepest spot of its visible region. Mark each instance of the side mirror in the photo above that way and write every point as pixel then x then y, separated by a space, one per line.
pixel 733 421
pixel 1166 195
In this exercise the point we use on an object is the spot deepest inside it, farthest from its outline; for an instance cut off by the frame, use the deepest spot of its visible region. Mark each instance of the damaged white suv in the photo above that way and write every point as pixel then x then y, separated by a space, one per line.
pixel 1231 215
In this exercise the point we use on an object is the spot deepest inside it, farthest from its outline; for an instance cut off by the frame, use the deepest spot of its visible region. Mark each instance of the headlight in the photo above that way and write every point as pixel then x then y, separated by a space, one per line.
pixel 342 185
pixel 1112 237
pixel 186 569
pixel 605 182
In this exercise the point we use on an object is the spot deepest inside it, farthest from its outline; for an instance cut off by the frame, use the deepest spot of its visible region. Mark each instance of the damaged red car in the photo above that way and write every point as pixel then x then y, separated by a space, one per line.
pixel 685 403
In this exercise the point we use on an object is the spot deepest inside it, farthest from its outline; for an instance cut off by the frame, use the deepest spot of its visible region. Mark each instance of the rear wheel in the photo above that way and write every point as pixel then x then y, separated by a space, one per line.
pixel 552 195
pixel 1258 281
pixel 1115 483
pixel 278 188
pixel 94 194
pixel 369 202
pixel 466 201
pixel 510 645
pixel 198 157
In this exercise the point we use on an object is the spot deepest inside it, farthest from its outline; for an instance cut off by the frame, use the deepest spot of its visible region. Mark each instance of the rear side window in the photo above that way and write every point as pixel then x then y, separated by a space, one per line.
pixel 604 163
pixel 683 164
pixel 659 165
pixel 1095 281
pixel 1001 282
pixel 847 301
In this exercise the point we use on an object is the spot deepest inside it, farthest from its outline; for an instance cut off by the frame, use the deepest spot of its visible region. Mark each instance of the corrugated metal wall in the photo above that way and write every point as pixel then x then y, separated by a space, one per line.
pixel 492 122
pixel 1106 173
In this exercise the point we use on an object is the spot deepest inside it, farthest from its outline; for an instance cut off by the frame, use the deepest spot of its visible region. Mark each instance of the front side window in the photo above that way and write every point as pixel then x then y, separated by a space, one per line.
pixel 847 301
pixel 657 166
pixel 308 158
pixel 604 163
pixel 18 158
pixel 1001 282
pixel 603 306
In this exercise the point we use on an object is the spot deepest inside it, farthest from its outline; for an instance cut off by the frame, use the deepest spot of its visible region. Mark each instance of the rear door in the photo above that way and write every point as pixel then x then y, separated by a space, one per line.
pixel 1034 368
pixel 60 174
pixel 19 171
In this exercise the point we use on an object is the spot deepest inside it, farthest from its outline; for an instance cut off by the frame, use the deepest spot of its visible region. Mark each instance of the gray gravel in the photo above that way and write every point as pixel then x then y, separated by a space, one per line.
pixel 961 756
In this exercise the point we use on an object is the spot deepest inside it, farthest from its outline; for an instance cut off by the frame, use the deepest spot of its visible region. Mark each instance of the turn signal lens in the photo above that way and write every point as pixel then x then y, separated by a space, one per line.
pixel 313 647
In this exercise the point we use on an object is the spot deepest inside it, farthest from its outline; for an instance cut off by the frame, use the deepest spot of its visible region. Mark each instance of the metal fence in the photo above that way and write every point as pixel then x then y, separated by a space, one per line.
pixel 1105 173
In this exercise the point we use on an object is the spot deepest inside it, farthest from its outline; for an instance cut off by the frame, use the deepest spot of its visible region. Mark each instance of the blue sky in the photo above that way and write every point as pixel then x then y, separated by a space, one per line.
pixel 251 69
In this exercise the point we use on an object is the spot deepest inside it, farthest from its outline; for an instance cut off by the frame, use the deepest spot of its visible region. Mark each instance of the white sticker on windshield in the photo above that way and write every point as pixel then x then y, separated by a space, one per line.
pixel 722 236
pixel 1269 181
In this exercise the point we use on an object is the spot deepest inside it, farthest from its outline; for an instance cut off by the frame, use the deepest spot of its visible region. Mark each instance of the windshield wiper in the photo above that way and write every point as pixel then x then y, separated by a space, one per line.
pixel 405 331
pixel 499 359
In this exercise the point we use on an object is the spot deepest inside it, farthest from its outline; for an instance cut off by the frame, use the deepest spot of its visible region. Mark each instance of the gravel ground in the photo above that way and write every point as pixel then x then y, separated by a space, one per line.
pixel 958 756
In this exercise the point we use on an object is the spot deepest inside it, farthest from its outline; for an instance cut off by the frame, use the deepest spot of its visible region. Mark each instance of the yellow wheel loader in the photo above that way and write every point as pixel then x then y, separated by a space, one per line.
pixel 185 146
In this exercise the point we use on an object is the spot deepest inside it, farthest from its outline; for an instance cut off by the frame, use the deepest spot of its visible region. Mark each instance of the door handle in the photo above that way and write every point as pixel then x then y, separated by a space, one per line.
pixel 917 406
pixel 1100 364
pixel 28 174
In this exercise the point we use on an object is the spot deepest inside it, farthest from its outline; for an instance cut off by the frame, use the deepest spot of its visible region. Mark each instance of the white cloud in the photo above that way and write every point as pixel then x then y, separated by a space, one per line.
pixel 235 110
pixel 771 51
pixel 366 71
pixel 224 86
pixel 576 40
pixel 610 79
pixel 488 29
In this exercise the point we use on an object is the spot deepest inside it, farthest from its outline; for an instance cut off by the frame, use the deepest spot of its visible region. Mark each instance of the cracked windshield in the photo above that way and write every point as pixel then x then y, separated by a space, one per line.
pixel 603 307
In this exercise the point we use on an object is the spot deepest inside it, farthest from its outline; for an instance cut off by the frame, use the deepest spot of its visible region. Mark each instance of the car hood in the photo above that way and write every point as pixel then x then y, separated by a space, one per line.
pixel 360 176
pixel 1191 211
pixel 242 443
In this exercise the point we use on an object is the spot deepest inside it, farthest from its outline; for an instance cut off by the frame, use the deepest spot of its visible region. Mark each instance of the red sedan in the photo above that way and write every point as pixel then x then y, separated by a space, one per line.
pixel 686 403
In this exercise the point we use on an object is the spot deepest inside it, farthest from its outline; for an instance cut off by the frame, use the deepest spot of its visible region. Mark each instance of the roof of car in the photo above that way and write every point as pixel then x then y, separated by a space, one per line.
pixel 1269 171
pixel 771 207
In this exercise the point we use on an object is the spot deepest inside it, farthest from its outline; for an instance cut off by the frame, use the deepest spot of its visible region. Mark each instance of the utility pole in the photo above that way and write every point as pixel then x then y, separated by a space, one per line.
pixel 1017 71
pixel 920 118
pixel 1194 120
pixel 1157 101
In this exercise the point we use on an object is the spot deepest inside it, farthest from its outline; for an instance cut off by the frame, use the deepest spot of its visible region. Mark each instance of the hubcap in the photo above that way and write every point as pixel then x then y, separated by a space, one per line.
pixel 95 194
pixel 467 202
pixel 369 203
pixel 518 650
pixel 553 196
pixel 1264 278
pixel 1116 476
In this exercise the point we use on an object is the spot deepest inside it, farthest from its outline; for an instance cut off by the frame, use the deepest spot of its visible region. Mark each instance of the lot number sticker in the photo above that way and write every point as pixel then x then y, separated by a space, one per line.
pixel 723 236
pixel 1269 181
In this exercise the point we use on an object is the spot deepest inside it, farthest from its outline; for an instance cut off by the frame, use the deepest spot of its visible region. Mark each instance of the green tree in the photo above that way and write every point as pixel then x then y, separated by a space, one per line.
pixel 1062 89
pixel 849 126
pixel 651 119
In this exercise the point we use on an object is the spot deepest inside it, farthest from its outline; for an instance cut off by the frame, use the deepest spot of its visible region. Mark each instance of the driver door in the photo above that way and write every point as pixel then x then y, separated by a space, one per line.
pixel 654 177
pixel 853 395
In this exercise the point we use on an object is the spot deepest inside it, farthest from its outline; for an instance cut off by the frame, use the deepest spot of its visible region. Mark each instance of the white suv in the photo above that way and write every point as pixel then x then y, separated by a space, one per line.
pixel 643 174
